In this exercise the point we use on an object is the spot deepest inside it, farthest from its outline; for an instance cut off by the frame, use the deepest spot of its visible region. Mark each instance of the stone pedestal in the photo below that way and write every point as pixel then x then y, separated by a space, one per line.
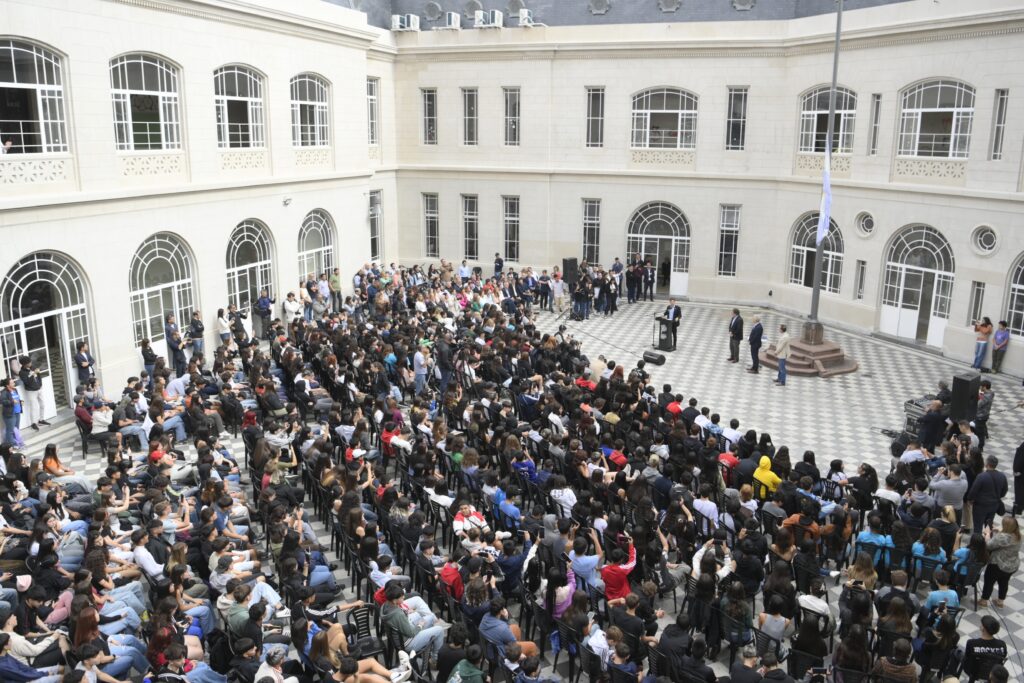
pixel 812 355
pixel 813 333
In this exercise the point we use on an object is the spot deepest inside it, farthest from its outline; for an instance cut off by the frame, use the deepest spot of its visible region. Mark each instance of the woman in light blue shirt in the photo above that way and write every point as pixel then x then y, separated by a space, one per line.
pixel 928 547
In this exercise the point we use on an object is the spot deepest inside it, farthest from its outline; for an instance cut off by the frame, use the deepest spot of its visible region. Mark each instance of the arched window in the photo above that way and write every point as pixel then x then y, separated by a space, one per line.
pixel 310 111
pixel 935 120
pixel 31 98
pixel 1015 302
pixel 316 243
pixel 238 97
pixel 144 90
pixel 665 118
pixel 804 252
pixel 160 282
pixel 38 283
pixel 658 230
pixel 814 120
pixel 249 264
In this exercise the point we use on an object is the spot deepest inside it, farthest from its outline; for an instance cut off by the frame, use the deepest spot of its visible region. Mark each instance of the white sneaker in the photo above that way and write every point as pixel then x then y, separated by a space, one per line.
pixel 401 676
pixel 283 613
pixel 404 658
pixel 833 574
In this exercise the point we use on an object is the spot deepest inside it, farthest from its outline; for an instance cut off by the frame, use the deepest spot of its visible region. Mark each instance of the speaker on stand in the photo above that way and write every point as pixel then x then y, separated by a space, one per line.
pixel 964 404
pixel 570 270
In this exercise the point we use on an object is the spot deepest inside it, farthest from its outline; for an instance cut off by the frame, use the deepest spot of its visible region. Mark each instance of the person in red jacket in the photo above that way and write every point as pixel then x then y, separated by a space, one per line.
pixel 616 574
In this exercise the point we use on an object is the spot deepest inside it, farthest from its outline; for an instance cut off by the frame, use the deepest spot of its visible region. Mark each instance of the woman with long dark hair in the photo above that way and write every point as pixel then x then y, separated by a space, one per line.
pixel 119 653
pixel 319 572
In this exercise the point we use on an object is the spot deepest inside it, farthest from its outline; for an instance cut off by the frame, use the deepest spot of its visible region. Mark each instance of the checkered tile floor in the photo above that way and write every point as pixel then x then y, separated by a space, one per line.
pixel 837 417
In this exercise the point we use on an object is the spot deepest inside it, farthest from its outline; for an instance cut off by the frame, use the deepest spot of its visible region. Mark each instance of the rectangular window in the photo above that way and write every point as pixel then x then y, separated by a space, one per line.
pixel 511 116
pixel 375 236
pixel 876 117
pixel 429 116
pixel 511 213
pixel 728 239
pixel 470 227
pixel 736 121
pixel 977 302
pixel 470 123
pixel 861 280
pixel 595 117
pixel 372 111
pixel 431 228
pixel 592 230
pixel 998 125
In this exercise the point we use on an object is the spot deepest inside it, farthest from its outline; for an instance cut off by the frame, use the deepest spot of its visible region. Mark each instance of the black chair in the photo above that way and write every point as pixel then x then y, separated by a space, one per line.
pixel 590 663
pixel 983 665
pixel 841 675
pixel 616 675
pixel 765 643
pixel 885 640
pixel 656 663
pixel 569 643
pixel 736 634
pixel 968 581
pixel 85 431
pixel 936 661
pixel 362 632
pixel 542 622
pixel 799 663
pixel 924 570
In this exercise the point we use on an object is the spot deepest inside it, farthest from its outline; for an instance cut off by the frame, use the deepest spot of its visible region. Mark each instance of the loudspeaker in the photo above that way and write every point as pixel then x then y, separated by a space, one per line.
pixel 964 405
pixel 570 270
pixel 655 358
pixel 899 444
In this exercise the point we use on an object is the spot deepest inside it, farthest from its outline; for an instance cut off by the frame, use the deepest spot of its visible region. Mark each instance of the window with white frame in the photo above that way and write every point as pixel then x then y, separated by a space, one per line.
pixel 876 119
pixel 803 254
pixel 238 98
pixel 936 119
pixel 161 281
pixel 375 223
pixel 511 116
pixel 316 243
pixel 429 97
pixel 1015 301
pixel 310 111
pixel 31 99
pixel 470 227
pixel 510 211
pixel 431 226
pixel 728 239
pixel 592 230
pixel 736 119
pixel 861 280
pixel 976 305
pixel 595 117
pixel 998 124
pixel 144 91
pixel 814 108
pixel 664 118
pixel 470 122
pixel 372 111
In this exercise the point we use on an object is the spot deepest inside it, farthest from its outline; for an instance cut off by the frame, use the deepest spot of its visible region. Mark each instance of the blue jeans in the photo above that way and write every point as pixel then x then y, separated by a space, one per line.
pixel 202 673
pixel 781 379
pixel 138 431
pixel 9 424
pixel 198 346
pixel 178 425
pixel 202 614
pixel 421 383
pixel 431 638
pixel 130 653
pixel 980 349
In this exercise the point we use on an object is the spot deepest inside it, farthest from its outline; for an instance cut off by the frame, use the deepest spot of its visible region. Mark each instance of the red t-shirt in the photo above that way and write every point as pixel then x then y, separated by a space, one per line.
pixel 616 577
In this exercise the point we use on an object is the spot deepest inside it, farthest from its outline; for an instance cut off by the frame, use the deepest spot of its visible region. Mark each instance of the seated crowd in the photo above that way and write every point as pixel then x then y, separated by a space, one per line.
pixel 470 468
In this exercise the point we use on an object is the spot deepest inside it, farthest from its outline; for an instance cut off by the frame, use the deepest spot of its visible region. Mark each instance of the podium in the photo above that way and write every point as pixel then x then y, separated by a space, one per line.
pixel 662 334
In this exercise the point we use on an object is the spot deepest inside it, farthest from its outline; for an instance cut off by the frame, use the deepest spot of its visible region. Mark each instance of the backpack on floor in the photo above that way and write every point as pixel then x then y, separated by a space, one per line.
pixel 220 652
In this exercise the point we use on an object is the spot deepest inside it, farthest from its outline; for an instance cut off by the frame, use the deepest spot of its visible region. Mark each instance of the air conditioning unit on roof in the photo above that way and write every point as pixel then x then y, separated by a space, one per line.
pixel 525 17
pixel 405 22
pixel 452 21
pixel 488 19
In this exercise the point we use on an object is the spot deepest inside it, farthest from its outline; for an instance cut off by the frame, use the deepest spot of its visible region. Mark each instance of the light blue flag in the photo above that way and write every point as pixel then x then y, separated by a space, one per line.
pixel 826 197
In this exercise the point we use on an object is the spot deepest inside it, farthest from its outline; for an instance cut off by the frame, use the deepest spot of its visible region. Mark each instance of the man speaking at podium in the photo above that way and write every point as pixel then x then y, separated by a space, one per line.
pixel 673 314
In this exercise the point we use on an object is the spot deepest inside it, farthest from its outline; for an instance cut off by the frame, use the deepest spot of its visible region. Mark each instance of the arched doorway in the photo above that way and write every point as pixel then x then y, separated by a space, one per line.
pixel 919 271
pixel 250 267
pixel 43 315
pixel 660 233
pixel 316 244
pixel 161 281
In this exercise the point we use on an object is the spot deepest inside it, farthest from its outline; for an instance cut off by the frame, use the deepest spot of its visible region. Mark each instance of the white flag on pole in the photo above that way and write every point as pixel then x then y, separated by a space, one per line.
pixel 826 197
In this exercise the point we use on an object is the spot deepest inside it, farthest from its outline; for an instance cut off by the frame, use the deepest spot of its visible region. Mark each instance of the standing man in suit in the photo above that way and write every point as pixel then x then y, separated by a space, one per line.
pixel 673 314
pixel 735 335
pixel 499 264
pixel 756 334
pixel 782 353
pixel 649 275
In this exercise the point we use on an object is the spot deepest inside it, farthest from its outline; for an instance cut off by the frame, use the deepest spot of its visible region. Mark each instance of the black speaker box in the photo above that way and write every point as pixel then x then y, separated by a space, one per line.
pixel 570 270
pixel 964 405
pixel 655 358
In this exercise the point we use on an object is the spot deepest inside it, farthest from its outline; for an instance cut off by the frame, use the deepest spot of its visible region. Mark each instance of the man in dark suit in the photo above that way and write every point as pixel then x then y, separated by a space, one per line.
pixel 649 275
pixel 735 335
pixel 756 333
pixel 673 314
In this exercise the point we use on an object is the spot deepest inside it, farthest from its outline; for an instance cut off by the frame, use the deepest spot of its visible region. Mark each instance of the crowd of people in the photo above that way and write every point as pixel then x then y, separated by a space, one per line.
pixel 470 467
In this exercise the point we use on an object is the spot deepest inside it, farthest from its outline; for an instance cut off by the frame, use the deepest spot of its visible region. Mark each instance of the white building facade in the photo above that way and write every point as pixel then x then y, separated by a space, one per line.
pixel 171 156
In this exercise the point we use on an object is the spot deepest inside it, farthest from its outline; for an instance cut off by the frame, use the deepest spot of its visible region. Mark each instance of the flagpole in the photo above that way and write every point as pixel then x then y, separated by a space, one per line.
pixel 819 252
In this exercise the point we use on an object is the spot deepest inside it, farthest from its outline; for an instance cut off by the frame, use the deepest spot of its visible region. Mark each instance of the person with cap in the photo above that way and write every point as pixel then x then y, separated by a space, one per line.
pixel 273 667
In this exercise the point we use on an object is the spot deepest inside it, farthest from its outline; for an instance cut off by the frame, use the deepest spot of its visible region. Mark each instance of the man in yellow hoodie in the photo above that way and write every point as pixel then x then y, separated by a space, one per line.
pixel 764 474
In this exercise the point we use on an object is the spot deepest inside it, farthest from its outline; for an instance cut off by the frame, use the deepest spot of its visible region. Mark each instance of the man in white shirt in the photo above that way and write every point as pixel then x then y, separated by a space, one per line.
pixel 144 558
pixel 731 434
pixel 889 491
pixel 178 385
pixel 465 271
